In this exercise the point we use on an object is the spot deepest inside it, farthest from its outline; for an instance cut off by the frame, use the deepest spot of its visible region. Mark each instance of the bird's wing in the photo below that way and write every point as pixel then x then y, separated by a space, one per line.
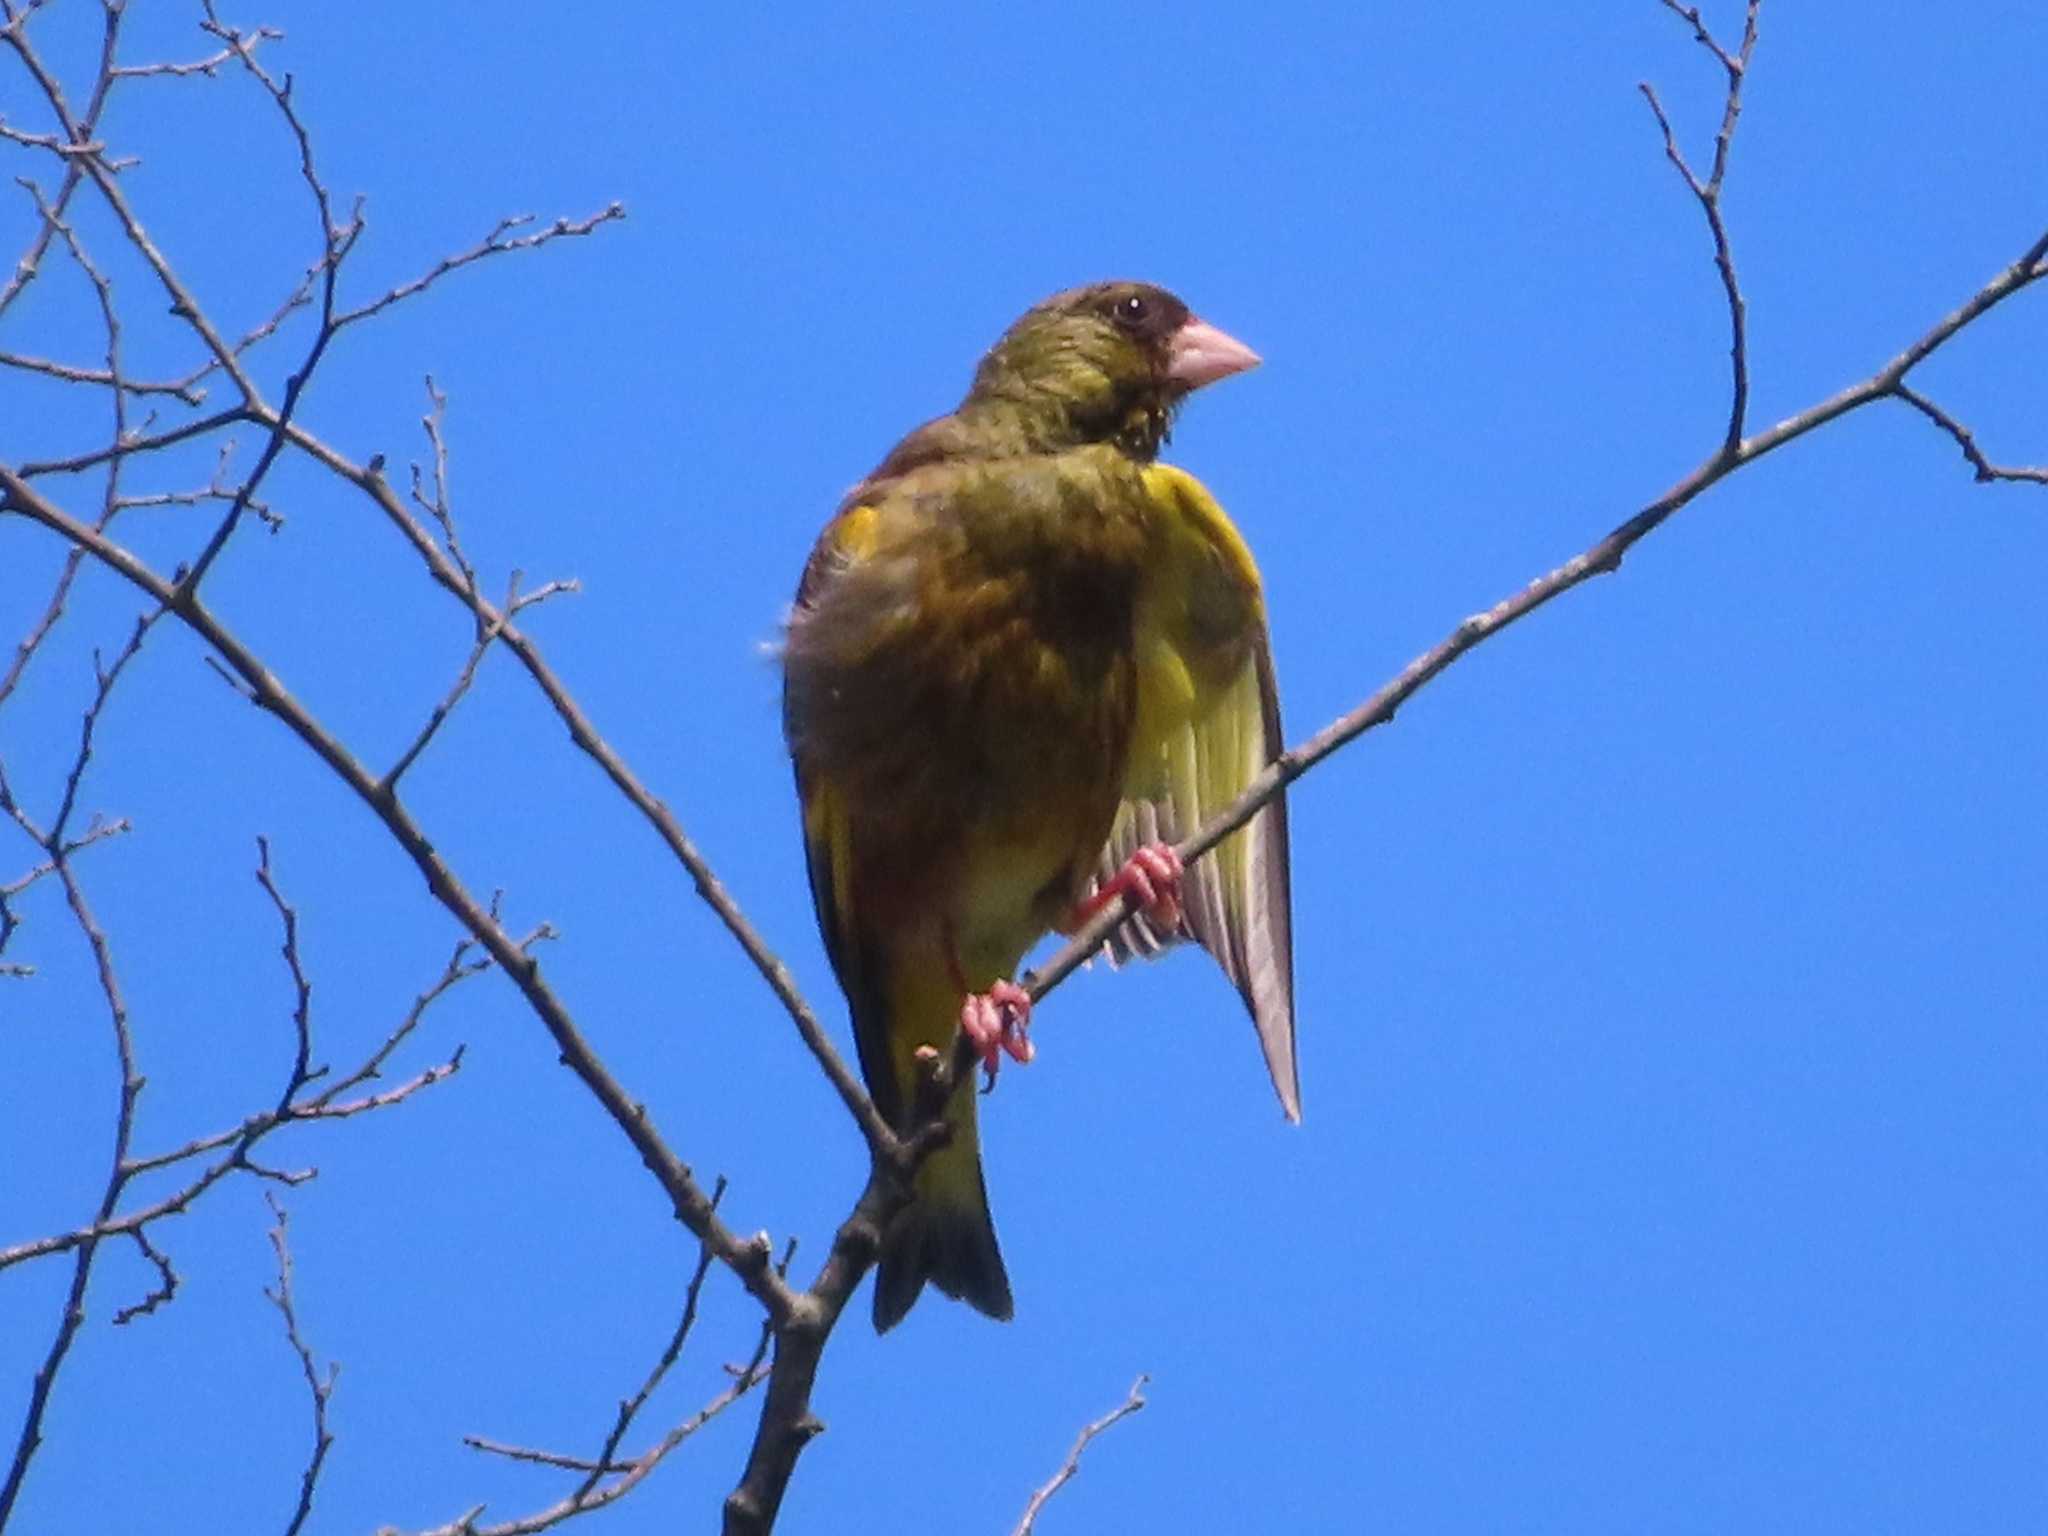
pixel 1203 734
pixel 828 811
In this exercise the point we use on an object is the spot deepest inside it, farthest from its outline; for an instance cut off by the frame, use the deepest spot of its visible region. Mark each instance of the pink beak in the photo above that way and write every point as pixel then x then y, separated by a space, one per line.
pixel 1200 354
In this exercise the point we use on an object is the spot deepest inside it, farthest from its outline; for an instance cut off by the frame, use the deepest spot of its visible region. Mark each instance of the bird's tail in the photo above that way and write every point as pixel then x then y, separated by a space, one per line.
pixel 945 1235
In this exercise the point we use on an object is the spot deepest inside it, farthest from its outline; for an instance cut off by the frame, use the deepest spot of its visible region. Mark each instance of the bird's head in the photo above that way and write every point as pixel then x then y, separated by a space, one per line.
pixel 1106 363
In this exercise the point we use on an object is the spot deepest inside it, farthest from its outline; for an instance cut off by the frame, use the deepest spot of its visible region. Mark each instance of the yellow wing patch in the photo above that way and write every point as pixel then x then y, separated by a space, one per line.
pixel 1207 723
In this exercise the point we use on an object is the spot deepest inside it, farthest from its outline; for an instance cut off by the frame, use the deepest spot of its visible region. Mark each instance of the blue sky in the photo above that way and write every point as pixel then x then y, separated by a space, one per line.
pixel 1670 973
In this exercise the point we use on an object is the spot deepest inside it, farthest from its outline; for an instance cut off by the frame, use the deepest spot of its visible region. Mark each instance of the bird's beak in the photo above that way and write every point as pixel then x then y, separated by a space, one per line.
pixel 1200 354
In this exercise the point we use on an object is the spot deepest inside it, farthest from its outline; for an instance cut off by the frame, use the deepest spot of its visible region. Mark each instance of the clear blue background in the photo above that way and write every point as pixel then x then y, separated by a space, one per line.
pixel 1671 973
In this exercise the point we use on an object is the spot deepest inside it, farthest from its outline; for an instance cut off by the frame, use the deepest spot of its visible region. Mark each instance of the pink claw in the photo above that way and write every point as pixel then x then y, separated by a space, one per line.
pixel 995 1021
pixel 1152 875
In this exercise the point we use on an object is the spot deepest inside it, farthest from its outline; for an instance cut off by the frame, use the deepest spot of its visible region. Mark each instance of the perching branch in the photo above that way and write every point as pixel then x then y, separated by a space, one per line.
pixel 1601 558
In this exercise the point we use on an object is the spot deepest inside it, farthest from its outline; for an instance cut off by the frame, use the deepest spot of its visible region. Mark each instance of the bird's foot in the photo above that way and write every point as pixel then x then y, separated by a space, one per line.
pixel 1152 876
pixel 995 1021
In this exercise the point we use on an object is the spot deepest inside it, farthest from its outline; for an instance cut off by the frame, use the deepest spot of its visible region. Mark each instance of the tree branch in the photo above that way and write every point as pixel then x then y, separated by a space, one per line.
pixel 1966 440
pixel 748 1258
pixel 1601 558
pixel 72 1317
pixel 1133 1401
pixel 1709 194
pixel 318 1389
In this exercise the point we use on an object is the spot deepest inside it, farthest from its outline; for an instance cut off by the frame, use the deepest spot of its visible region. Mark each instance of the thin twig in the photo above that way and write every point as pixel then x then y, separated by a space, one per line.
pixel 630 1474
pixel 302 1071
pixel 335 244
pixel 540 1458
pixel 1133 1401
pixel 1602 558
pixel 1966 440
pixel 487 633
pixel 493 244
pixel 72 1316
pixel 71 373
pixel 630 1407
pixel 57 838
pixel 183 304
pixel 26 649
pixel 241 1140
pixel 166 1288
pixel 318 1388
pixel 170 437
pixel 82 131
pixel 98 832
pixel 110 506
pixel 1708 193
pixel 438 505
pixel 208 66
pixel 745 1257
pixel 369 479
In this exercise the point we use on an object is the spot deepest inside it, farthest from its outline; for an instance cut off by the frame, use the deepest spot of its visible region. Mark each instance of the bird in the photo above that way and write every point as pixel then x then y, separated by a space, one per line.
pixel 1024 659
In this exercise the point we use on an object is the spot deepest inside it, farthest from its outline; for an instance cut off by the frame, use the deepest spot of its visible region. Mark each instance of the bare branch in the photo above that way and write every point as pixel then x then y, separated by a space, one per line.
pixel 216 489
pixel 208 66
pixel 542 1458
pixel 26 648
pixel 166 1283
pixel 786 1421
pixel 1709 195
pixel 493 244
pixel 1133 1401
pixel 108 1225
pixel 72 1316
pixel 799 1321
pixel 460 967
pixel 53 221
pixel 183 305
pixel 745 1258
pixel 127 447
pixel 50 142
pixel 80 132
pixel 1966 440
pixel 437 506
pixel 630 1407
pixel 744 1379
pixel 369 479
pixel 514 601
pixel 631 1474
pixel 318 1388
pixel 108 677
pixel 1600 559
pixel 70 373
pixel 241 1140
pixel 97 832
pixel 240 689
pixel 302 1070
pixel 335 244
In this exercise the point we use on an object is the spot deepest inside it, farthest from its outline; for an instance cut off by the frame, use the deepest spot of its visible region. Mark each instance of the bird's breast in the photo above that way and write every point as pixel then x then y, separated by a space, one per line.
pixel 966 672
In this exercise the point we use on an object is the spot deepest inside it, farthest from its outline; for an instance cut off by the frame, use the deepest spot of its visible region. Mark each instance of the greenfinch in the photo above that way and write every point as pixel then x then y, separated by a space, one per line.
pixel 1024 659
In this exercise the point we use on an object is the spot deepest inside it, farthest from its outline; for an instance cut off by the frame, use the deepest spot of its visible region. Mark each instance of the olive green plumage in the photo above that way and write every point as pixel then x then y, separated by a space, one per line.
pixel 1009 654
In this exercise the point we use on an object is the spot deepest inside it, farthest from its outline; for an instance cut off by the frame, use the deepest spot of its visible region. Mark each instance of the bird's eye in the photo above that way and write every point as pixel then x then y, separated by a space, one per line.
pixel 1132 310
